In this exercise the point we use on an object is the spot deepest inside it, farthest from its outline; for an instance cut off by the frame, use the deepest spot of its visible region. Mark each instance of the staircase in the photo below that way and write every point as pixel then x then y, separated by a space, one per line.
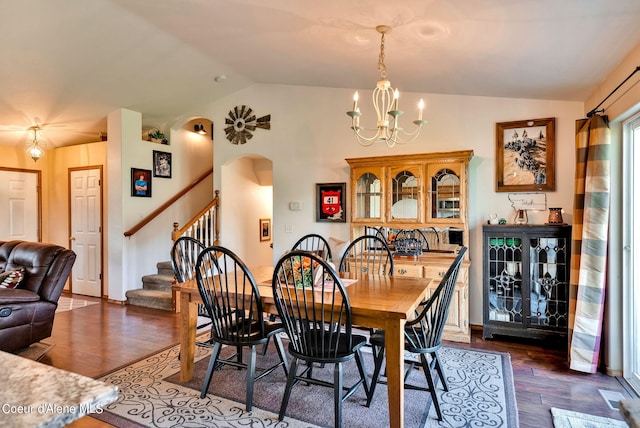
pixel 156 289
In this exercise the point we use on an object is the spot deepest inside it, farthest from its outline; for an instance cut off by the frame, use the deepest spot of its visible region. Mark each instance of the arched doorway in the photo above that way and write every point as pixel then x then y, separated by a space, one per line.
pixel 247 201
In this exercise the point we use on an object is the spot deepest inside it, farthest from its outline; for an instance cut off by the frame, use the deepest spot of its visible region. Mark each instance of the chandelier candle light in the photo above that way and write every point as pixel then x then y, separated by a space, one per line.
pixel 385 102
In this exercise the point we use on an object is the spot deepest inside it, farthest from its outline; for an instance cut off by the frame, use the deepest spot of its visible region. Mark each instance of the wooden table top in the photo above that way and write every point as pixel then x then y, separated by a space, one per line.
pixel 372 298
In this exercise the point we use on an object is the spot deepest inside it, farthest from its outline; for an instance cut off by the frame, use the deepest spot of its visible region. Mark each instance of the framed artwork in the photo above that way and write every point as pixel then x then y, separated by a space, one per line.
pixel 141 182
pixel 330 202
pixel 265 229
pixel 161 164
pixel 525 155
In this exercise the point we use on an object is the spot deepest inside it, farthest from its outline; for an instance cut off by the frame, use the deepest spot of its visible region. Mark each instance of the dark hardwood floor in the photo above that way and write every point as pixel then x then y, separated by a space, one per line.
pixel 100 338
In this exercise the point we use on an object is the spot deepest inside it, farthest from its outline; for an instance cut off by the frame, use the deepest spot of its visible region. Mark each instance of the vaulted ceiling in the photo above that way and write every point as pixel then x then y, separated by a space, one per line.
pixel 66 64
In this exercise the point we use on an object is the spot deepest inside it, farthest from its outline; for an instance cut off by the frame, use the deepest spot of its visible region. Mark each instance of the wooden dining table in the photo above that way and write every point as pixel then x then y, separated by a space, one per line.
pixel 379 302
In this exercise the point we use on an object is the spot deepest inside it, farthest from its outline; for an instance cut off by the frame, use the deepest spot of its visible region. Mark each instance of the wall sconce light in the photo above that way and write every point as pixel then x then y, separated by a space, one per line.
pixel 35 149
pixel 199 128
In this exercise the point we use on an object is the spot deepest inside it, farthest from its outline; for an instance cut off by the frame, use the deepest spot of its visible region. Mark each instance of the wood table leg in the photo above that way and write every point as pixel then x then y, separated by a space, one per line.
pixel 394 344
pixel 189 311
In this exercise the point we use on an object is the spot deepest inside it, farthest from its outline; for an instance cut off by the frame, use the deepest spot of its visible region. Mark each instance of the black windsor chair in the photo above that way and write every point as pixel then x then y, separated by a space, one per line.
pixel 232 299
pixel 315 244
pixel 184 255
pixel 367 255
pixel 314 307
pixel 423 336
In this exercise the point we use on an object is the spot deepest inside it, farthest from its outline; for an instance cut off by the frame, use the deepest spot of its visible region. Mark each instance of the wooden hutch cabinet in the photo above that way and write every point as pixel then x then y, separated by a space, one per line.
pixel 526 280
pixel 425 191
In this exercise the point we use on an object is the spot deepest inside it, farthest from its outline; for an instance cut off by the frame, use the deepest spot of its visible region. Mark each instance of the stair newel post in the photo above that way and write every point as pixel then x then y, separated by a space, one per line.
pixel 175 232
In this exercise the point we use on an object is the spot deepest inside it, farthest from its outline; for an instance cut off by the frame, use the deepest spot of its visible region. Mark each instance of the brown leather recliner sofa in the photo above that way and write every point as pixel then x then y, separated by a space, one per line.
pixel 27 312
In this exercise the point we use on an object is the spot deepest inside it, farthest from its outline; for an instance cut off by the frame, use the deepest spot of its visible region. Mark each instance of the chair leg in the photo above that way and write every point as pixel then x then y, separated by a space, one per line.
pixel 287 390
pixel 281 353
pixel 265 346
pixel 215 352
pixel 251 376
pixel 363 376
pixel 432 386
pixel 376 374
pixel 239 355
pixel 337 394
pixel 438 366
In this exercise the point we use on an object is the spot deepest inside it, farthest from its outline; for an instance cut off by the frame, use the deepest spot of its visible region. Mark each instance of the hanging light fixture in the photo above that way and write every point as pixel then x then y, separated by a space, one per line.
pixel 199 128
pixel 35 149
pixel 385 102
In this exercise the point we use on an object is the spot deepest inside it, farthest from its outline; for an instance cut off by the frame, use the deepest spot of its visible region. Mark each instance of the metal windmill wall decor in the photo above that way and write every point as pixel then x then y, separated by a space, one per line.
pixel 241 122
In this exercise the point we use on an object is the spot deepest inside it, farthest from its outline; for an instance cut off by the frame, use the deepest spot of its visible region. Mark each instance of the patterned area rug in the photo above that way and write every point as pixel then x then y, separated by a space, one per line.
pixel 481 394
pixel 69 303
pixel 569 419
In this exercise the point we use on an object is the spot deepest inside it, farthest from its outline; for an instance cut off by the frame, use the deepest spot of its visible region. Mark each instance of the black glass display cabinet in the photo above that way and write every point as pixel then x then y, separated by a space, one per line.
pixel 526 280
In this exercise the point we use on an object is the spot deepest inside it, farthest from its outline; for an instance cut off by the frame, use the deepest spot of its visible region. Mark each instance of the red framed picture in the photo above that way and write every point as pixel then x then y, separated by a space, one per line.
pixel 330 202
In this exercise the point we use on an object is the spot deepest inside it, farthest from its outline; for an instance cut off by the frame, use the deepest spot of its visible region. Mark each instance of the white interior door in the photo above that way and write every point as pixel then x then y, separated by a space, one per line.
pixel 19 206
pixel 85 186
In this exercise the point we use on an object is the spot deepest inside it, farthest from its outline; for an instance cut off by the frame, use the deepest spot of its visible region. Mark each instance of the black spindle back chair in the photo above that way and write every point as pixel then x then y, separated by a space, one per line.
pixel 184 255
pixel 367 255
pixel 314 308
pixel 314 243
pixel 423 335
pixel 232 299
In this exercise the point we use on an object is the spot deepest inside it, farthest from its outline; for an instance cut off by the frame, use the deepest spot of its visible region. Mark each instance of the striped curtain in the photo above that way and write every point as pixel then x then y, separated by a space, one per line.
pixel 589 242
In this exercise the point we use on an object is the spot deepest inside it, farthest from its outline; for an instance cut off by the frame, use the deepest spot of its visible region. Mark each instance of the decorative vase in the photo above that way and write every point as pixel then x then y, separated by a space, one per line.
pixel 521 217
pixel 555 216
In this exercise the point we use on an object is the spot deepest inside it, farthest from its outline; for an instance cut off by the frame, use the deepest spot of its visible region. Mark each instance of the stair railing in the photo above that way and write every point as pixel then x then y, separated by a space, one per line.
pixel 204 226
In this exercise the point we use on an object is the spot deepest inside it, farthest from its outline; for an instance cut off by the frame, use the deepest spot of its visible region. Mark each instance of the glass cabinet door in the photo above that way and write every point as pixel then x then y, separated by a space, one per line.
pixel 549 282
pixel 445 201
pixel 368 194
pixel 406 199
pixel 505 299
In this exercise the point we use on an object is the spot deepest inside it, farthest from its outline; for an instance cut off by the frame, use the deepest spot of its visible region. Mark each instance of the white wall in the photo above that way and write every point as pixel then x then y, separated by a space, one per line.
pixel 246 200
pixel 310 138
pixel 131 258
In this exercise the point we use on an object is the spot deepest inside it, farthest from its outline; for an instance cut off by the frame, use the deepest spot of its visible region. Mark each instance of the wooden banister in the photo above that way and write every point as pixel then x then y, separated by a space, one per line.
pixel 167 204
pixel 211 208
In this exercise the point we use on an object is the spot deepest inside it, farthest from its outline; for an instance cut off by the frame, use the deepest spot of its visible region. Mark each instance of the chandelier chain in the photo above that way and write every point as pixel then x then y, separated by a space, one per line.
pixel 381 67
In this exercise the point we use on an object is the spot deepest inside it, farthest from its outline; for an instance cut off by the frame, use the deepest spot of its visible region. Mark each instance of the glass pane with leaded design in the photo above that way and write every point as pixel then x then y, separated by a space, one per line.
pixel 549 277
pixel 445 188
pixel 368 196
pixel 405 195
pixel 505 279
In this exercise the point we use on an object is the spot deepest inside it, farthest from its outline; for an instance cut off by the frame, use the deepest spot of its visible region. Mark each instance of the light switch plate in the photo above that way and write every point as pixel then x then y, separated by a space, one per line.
pixel 295 206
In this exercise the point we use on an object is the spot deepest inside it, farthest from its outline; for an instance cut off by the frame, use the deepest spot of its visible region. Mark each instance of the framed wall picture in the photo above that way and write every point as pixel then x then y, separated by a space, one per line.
pixel 330 202
pixel 161 164
pixel 141 182
pixel 265 229
pixel 525 155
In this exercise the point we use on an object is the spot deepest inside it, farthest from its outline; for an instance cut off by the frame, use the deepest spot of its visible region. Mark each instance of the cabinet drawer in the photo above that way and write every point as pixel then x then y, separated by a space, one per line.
pixel 437 272
pixel 407 270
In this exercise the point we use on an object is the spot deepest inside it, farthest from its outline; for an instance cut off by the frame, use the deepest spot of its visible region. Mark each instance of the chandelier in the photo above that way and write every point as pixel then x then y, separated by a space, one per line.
pixel 35 149
pixel 385 103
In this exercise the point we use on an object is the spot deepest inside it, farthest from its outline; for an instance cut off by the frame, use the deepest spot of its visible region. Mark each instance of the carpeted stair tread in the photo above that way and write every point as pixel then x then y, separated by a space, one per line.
pixel 165 268
pixel 157 299
pixel 158 281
